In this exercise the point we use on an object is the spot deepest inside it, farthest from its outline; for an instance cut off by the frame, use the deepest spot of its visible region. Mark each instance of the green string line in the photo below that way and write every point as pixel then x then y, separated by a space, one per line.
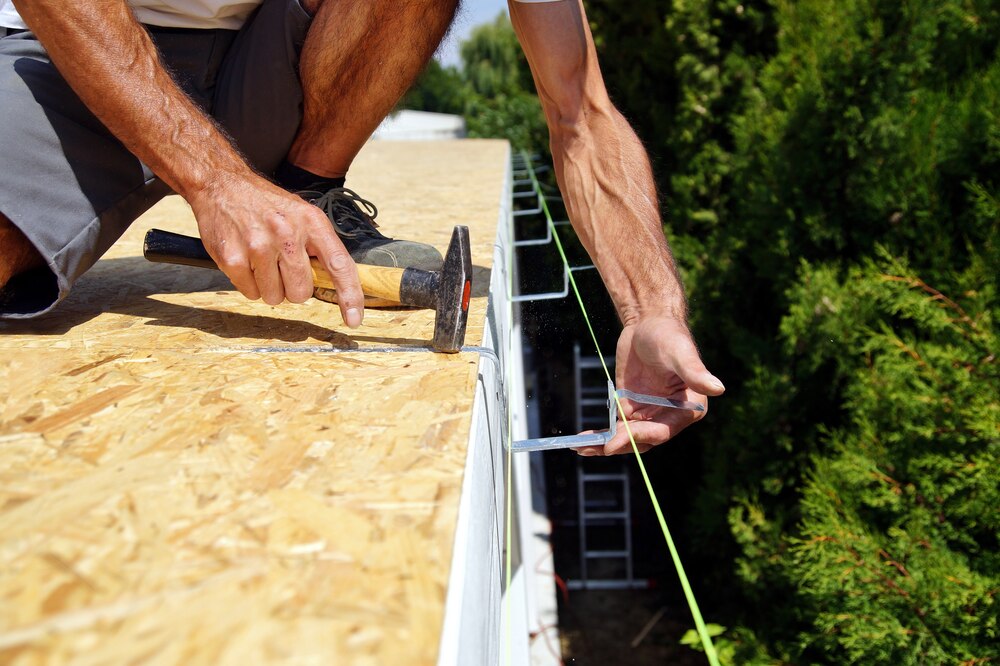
pixel 706 640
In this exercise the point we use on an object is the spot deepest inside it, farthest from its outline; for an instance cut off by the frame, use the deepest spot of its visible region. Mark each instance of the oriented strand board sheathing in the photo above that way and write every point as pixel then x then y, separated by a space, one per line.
pixel 170 494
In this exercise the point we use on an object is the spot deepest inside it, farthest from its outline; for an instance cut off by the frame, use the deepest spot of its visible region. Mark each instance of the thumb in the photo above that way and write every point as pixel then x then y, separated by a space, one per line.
pixel 689 367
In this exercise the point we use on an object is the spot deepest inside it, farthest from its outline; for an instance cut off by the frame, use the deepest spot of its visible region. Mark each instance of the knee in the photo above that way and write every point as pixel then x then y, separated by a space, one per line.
pixel 311 6
pixel 18 254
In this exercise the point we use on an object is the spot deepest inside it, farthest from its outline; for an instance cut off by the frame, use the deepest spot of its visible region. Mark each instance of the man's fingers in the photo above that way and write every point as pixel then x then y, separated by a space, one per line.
pixel 237 268
pixel 650 432
pixel 647 435
pixel 689 367
pixel 264 264
pixel 269 282
pixel 296 274
pixel 338 263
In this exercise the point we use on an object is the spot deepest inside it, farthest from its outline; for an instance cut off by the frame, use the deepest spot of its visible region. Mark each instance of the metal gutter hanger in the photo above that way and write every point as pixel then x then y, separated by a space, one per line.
pixel 602 438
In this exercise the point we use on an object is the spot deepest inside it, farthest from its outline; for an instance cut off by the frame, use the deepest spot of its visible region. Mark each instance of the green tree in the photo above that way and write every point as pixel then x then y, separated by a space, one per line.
pixel 829 179
pixel 440 90
pixel 492 60
pixel 493 90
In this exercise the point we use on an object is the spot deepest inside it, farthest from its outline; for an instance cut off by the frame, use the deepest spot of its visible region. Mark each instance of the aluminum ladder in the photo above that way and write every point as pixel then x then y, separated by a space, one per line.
pixel 602 483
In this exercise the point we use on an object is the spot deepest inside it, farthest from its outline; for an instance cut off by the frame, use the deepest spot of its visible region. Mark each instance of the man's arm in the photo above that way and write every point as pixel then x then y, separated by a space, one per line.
pixel 607 185
pixel 260 235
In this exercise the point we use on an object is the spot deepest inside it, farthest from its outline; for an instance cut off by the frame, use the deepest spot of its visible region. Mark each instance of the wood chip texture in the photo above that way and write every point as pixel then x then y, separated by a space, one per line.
pixel 185 479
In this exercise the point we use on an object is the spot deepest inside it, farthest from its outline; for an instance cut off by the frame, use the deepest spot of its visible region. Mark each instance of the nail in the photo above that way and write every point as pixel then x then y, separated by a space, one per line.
pixel 353 318
pixel 716 384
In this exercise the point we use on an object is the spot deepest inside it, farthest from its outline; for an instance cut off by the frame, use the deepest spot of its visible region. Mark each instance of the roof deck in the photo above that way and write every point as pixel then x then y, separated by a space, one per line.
pixel 190 477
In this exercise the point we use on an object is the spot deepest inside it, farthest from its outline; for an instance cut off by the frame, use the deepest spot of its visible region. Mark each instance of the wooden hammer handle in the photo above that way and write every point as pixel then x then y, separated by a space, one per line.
pixel 376 281
pixel 167 247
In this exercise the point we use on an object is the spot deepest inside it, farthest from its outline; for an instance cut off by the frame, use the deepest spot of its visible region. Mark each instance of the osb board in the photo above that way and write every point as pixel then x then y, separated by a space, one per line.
pixel 168 495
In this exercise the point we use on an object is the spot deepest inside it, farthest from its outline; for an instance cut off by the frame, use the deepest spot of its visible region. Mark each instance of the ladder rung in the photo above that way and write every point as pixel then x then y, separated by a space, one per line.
pixel 594 362
pixel 607 584
pixel 609 554
pixel 603 477
pixel 605 515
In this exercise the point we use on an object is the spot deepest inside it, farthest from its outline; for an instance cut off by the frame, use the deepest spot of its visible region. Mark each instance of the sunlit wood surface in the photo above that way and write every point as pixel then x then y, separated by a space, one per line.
pixel 177 485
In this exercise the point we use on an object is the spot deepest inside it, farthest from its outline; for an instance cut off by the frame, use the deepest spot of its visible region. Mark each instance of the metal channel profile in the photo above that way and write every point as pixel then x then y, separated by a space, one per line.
pixel 524 166
pixel 528 242
pixel 552 295
pixel 525 212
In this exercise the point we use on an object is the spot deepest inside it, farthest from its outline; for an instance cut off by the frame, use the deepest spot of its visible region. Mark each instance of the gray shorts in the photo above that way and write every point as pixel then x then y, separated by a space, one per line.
pixel 72 188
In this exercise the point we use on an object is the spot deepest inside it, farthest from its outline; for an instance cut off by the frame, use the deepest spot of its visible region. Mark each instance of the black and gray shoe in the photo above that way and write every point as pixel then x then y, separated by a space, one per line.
pixel 354 220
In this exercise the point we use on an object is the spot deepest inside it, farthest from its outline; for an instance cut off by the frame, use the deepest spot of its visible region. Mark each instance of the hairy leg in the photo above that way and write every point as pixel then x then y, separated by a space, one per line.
pixel 17 254
pixel 357 61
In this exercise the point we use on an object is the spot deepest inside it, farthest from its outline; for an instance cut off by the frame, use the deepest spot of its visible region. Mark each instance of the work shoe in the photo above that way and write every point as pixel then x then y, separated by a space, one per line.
pixel 353 218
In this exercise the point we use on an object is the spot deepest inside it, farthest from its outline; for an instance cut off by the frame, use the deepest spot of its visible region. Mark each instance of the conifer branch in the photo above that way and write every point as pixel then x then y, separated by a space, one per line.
pixel 936 295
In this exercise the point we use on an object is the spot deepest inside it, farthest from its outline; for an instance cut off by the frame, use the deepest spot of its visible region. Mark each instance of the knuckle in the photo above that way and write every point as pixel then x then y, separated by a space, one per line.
pixel 260 243
pixel 258 249
pixel 341 263
pixel 316 217
pixel 286 233
pixel 276 220
pixel 230 261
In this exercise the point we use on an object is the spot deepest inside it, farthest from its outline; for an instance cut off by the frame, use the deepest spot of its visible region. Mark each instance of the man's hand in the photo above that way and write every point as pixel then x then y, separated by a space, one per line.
pixel 657 356
pixel 262 237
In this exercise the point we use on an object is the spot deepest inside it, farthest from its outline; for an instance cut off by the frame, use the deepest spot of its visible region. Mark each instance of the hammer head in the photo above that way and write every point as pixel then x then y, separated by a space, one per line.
pixel 447 292
pixel 453 294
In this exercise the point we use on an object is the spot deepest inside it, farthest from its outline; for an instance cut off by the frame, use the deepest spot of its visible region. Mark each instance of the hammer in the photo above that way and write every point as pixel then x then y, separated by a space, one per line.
pixel 447 291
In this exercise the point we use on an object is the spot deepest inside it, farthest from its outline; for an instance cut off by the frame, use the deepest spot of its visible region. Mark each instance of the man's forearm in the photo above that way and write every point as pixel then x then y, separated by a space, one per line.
pixel 110 62
pixel 609 192
pixel 602 168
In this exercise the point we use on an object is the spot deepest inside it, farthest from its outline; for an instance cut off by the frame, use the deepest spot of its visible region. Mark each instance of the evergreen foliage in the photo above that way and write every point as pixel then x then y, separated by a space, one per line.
pixel 493 90
pixel 829 178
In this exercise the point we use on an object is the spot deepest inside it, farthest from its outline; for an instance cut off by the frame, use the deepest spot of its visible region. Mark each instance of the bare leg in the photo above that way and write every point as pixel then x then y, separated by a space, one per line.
pixel 357 61
pixel 17 254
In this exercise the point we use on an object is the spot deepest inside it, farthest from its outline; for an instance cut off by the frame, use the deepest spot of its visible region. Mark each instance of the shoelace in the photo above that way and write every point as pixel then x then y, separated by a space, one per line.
pixel 347 210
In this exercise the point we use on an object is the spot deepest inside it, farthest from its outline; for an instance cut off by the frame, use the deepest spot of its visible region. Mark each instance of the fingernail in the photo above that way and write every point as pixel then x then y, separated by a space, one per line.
pixel 353 318
pixel 716 384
